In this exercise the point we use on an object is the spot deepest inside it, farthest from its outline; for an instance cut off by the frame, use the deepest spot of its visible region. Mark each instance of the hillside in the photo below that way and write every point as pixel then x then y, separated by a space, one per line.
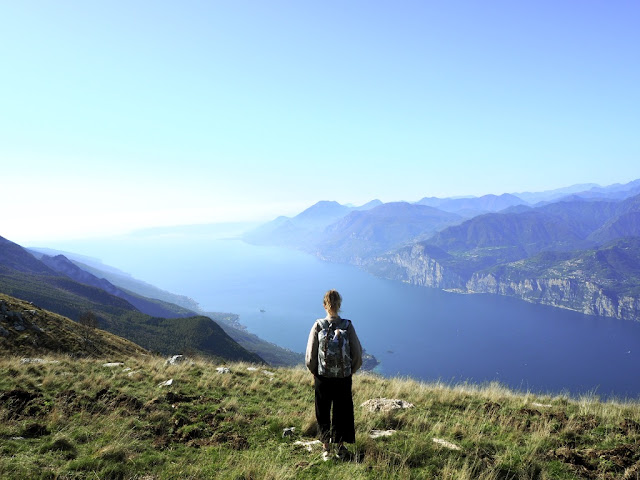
pixel 76 418
pixel 27 330
pixel 154 297
pixel 24 277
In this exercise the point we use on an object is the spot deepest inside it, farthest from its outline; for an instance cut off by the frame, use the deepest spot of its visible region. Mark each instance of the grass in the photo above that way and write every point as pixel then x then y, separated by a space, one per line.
pixel 79 419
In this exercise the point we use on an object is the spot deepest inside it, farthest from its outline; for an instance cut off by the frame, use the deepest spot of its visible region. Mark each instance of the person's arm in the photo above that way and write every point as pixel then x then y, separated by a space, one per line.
pixel 311 356
pixel 356 350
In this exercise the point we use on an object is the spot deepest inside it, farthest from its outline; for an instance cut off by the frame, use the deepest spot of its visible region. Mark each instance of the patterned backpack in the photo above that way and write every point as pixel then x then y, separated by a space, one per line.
pixel 334 351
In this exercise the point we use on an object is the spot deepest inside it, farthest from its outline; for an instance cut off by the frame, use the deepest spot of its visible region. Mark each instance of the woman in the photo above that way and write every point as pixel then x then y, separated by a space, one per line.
pixel 333 355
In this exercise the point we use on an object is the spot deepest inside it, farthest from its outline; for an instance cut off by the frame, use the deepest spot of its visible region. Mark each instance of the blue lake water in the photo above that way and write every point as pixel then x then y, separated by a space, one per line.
pixel 414 331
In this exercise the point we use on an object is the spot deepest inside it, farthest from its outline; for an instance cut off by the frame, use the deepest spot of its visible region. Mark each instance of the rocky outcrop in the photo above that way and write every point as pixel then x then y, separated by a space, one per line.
pixel 571 293
pixel 415 265
pixel 579 293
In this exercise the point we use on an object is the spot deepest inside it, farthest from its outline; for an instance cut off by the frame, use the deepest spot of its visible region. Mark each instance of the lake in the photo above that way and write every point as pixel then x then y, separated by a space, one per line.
pixel 413 331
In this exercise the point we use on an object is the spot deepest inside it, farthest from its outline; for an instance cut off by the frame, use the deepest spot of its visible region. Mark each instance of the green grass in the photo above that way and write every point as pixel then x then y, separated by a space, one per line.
pixel 78 419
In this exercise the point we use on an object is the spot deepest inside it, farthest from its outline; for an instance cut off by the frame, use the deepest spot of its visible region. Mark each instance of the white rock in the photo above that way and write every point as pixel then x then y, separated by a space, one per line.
pixel 385 404
pixel 543 405
pixel 175 360
pixel 252 369
pixel 31 360
pixel 112 364
pixel 308 445
pixel 445 444
pixel 37 360
pixel 223 370
pixel 167 383
pixel 17 438
pixel 128 369
pixel 268 373
pixel 381 433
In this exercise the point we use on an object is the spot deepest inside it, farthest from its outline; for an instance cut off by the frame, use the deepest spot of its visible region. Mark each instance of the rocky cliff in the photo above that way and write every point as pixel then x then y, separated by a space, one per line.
pixel 571 293
pixel 415 265
pixel 564 290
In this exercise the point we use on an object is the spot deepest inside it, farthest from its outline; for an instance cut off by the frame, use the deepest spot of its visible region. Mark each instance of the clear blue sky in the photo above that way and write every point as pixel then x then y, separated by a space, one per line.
pixel 124 114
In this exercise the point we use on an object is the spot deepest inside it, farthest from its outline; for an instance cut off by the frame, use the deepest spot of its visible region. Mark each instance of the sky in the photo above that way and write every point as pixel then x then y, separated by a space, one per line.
pixel 122 115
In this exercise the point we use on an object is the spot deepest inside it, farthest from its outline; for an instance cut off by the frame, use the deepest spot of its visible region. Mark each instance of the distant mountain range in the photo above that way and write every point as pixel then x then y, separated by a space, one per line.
pixel 576 248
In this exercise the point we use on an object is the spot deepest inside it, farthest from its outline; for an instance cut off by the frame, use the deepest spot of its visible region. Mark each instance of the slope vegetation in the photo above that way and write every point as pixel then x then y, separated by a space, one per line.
pixel 80 419
pixel 28 330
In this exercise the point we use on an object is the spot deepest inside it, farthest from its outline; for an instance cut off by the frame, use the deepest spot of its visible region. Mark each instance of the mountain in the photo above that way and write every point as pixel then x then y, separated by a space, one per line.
pixel 472 206
pixel 304 230
pixel 555 194
pixel 28 330
pixel 361 234
pixel 616 191
pixel 29 279
pixel 119 278
pixel 369 205
pixel 602 281
pixel 14 257
pixel 582 255
pixel 156 308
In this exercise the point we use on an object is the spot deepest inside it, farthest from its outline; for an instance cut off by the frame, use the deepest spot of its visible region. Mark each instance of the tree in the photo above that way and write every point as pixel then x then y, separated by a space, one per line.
pixel 89 320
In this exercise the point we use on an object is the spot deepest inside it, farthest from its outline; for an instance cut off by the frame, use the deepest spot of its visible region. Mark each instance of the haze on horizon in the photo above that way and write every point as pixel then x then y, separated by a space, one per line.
pixel 127 115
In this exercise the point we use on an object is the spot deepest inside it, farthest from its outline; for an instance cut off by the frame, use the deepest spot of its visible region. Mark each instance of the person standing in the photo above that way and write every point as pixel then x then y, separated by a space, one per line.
pixel 333 355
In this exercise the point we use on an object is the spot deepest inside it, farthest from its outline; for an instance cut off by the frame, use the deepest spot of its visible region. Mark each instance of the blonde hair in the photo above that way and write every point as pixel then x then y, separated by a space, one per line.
pixel 332 301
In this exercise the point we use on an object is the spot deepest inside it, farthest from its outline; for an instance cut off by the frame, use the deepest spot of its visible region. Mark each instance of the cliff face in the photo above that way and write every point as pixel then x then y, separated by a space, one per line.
pixel 570 293
pixel 414 265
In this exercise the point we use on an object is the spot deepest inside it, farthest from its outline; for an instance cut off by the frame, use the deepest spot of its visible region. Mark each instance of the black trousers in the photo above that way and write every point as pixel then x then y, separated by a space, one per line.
pixel 340 426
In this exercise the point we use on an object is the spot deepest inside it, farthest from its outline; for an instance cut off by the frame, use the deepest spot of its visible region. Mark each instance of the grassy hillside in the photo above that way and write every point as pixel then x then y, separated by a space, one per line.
pixel 28 330
pixel 80 419
pixel 167 336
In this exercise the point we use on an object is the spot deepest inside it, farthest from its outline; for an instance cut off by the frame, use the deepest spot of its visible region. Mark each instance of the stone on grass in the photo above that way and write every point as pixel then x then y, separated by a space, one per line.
pixel 112 364
pixel 385 404
pixel 381 433
pixel 288 432
pixel 168 383
pixel 252 369
pixel 446 444
pixel 37 360
pixel 223 370
pixel 268 373
pixel 175 360
pixel 543 405
pixel 308 444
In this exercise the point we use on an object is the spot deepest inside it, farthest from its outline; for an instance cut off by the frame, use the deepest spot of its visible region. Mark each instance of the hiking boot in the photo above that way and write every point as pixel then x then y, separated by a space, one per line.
pixel 343 453
pixel 326 453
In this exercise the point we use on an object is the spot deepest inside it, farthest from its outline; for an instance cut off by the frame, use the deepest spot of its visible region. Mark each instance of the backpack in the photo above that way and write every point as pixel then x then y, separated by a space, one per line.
pixel 334 350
